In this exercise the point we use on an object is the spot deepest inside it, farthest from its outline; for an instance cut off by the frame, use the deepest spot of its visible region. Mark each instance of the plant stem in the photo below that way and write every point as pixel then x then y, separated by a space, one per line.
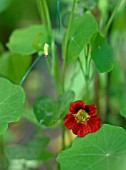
pixel 58 11
pixel 3 159
pixel 81 67
pixel 111 18
pixel 30 68
pixel 66 45
pixel 63 137
pixel 46 12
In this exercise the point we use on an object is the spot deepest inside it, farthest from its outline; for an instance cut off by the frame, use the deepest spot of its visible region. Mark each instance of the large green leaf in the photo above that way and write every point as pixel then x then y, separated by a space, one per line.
pixel 81 32
pixel 102 54
pixel 14 66
pixel 33 150
pixel 11 103
pixel 21 39
pixel 48 111
pixel 102 150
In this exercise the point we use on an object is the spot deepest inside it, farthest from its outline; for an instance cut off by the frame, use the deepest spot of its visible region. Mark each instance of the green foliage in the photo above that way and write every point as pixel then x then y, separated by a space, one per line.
pixel 11 103
pixel 4 4
pixel 21 39
pixel 33 150
pixel 48 112
pixel 39 40
pixel 14 66
pixel 81 32
pixel 101 54
pixel 104 149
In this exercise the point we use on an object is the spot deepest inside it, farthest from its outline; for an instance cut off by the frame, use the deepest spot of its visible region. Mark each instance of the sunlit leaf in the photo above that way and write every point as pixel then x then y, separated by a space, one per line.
pixel 21 39
pixel 104 149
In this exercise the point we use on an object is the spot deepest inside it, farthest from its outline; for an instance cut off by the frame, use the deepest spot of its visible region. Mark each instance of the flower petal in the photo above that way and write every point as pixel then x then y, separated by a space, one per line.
pixel 91 109
pixel 69 120
pixel 79 129
pixel 76 106
pixel 93 124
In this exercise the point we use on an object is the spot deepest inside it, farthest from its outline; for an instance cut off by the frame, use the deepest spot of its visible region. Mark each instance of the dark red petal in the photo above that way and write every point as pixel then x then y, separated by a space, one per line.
pixel 79 129
pixel 93 124
pixel 69 120
pixel 91 109
pixel 76 106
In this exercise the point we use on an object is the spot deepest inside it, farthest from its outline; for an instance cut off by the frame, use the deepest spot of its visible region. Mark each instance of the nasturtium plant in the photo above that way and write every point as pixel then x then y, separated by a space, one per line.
pixel 21 40
pixel 72 113
pixel 104 149
pixel 11 103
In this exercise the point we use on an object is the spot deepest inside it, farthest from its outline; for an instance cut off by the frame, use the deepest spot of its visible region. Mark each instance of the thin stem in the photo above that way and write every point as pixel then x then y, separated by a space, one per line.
pixel 81 67
pixel 3 158
pixel 66 44
pixel 111 18
pixel 55 69
pixel 58 12
pixel 41 11
pixel 63 137
pixel 30 68
pixel 47 15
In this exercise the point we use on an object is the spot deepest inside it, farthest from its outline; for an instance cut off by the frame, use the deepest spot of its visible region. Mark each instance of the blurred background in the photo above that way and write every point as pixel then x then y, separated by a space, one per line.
pixel 111 97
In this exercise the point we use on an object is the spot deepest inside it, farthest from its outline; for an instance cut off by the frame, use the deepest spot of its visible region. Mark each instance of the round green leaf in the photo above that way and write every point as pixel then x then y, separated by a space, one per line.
pixel 21 39
pixel 102 150
pixel 102 54
pixel 11 103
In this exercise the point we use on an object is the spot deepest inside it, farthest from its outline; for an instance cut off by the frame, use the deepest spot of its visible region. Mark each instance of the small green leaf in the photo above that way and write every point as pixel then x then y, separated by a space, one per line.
pixel 21 39
pixel 81 32
pixel 11 103
pixel 48 111
pixel 14 66
pixel 33 150
pixel 104 149
pixel 102 54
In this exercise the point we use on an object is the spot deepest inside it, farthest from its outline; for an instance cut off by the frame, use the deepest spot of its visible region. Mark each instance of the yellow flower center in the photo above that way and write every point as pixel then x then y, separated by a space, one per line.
pixel 82 116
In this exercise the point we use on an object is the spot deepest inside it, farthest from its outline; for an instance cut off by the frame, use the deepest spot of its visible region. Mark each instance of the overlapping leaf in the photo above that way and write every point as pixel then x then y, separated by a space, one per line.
pixel 104 149
pixel 21 40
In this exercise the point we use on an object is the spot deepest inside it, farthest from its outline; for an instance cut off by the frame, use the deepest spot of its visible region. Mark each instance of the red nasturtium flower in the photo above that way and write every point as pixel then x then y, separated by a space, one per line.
pixel 82 118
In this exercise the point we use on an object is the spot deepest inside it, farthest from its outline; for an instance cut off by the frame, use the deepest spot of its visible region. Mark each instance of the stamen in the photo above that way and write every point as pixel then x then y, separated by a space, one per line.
pixel 82 116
